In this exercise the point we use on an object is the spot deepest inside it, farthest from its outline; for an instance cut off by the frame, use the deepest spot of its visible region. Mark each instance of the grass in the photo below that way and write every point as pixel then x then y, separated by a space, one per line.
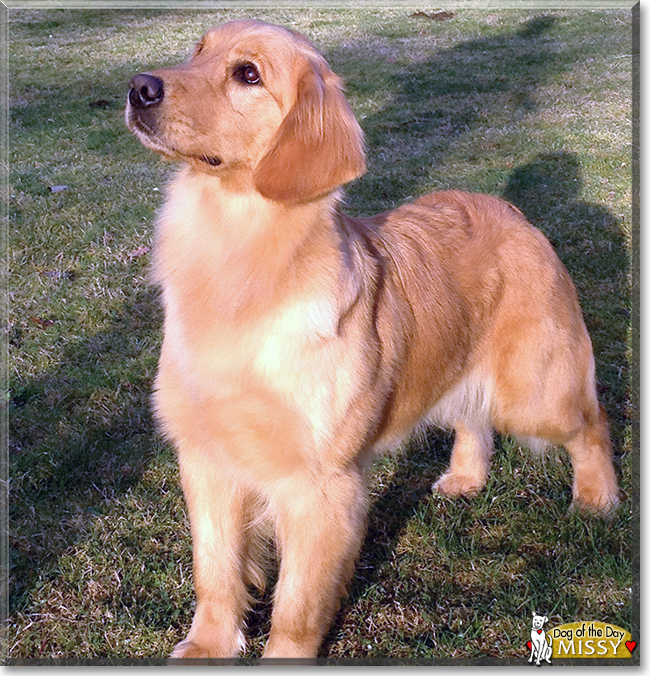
pixel 532 106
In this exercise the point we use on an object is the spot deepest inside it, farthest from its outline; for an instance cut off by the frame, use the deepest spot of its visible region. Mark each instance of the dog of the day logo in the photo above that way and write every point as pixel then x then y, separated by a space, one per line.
pixel 587 639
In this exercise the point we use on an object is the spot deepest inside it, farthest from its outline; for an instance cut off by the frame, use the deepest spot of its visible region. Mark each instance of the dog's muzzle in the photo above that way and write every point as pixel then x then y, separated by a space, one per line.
pixel 146 92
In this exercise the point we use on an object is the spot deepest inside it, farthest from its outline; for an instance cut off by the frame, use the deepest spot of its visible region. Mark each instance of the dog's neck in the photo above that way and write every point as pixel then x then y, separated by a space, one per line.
pixel 245 248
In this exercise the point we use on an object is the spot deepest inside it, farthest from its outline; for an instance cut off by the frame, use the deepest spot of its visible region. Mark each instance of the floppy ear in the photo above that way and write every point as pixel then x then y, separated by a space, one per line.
pixel 318 147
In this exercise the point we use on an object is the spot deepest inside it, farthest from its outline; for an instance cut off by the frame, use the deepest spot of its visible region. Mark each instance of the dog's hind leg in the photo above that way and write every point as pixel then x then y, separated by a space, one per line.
pixel 470 461
pixel 583 430
pixel 217 510
pixel 595 487
pixel 319 527
pixel 550 398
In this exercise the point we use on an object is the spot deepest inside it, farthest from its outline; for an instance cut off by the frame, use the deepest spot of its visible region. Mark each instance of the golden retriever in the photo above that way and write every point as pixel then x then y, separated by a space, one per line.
pixel 299 342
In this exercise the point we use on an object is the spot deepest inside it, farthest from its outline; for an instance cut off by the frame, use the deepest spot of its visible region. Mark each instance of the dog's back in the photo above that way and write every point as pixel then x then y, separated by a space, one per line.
pixel 475 283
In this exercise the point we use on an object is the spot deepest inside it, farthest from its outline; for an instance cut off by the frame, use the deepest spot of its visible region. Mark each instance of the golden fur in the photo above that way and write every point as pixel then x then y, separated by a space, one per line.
pixel 299 341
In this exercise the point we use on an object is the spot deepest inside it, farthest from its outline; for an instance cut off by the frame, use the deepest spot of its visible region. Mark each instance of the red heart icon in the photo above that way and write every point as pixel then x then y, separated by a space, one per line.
pixel 539 631
pixel 530 645
pixel 630 645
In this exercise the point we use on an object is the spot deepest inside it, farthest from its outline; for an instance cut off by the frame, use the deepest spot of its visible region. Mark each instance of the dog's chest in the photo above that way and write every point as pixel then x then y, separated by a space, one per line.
pixel 252 316
pixel 293 353
pixel 301 358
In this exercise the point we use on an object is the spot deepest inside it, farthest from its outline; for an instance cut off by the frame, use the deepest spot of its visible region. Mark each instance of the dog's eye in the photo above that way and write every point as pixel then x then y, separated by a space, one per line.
pixel 248 74
pixel 198 48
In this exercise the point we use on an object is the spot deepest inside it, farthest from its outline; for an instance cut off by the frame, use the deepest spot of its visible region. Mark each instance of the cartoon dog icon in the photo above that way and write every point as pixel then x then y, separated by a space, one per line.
pixel 540 648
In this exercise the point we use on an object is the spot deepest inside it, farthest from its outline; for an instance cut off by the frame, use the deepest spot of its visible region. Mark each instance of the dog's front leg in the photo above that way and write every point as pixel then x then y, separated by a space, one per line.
pixel 319 525
pixel 470 461
pixel 538 653
pixel 216 506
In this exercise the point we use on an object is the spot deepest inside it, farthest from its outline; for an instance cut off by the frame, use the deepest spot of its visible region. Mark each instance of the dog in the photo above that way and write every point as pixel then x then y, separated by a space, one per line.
pixel 540 648
pixel 300 342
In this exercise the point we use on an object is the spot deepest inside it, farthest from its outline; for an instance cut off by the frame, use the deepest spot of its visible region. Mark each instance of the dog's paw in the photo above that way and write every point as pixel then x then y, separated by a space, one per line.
pixel 187 650
pixel 458 484
pixel 600 504
pixel 192 650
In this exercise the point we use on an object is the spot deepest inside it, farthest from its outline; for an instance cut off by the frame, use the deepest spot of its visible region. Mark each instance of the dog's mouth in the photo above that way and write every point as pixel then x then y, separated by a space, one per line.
pixel 151 138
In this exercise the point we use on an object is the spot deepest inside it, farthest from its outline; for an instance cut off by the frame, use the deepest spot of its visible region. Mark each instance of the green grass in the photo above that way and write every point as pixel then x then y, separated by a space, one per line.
pixel 535 107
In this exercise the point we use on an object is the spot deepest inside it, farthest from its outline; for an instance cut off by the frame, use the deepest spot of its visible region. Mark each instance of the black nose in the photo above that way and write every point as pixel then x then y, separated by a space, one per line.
pixel 146 90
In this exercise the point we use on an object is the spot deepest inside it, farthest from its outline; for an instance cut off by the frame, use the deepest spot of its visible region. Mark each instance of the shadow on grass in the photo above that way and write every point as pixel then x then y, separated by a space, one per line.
pixel 488 81
pixel 79 437
pixel 392 508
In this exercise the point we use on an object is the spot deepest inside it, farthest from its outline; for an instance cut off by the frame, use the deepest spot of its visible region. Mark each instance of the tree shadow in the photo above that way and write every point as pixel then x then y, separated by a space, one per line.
pixel 434 102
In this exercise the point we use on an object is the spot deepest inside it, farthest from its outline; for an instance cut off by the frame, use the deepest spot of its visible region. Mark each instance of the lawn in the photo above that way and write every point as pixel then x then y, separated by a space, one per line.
pixel 535 106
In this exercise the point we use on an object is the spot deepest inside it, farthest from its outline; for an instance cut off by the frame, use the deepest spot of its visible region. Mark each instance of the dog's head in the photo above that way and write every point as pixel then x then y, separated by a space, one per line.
pixel 539 620
pixel 257 104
